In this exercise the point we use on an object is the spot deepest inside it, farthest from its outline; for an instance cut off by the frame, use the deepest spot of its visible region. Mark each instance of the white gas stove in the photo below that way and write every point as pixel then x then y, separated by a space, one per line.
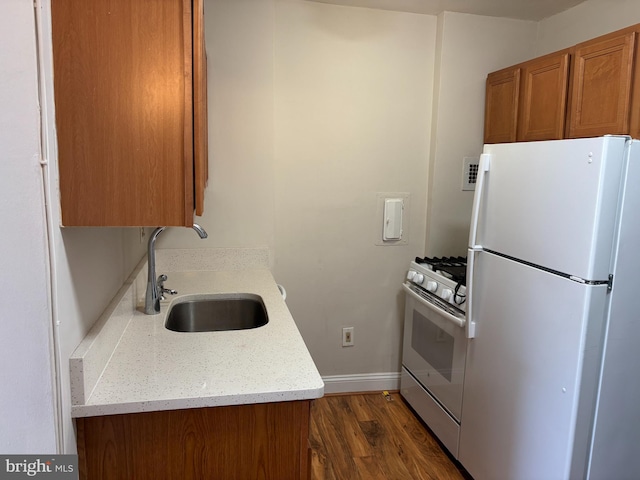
pixel 435 344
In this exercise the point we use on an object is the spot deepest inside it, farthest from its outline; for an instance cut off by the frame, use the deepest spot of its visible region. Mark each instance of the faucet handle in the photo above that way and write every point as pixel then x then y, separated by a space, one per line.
pixel 161 290
pixel 167 290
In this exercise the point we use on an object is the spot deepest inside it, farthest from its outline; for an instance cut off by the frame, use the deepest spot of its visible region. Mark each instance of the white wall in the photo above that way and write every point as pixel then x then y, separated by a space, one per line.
pixel 239 208
pixel 314 109
pixel 352 118
pixel 471 46
pixel 27 421
pixel 585 21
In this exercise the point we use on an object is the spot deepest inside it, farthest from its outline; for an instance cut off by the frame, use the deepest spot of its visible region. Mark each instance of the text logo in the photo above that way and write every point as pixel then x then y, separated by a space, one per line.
pixel 52 467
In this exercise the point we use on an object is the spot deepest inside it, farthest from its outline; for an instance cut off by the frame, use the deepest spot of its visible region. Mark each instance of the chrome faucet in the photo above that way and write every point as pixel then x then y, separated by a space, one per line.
pixel 155 286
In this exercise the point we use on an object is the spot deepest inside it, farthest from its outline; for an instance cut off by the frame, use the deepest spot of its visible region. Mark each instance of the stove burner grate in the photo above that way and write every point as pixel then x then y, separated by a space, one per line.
pixel 455 267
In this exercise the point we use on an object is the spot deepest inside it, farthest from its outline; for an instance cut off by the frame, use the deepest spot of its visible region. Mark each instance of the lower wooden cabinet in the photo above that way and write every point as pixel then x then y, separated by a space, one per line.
pixel 244 442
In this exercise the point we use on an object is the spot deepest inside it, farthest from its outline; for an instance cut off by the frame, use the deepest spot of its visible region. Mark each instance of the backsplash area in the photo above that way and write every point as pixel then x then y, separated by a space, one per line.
pixel 211 259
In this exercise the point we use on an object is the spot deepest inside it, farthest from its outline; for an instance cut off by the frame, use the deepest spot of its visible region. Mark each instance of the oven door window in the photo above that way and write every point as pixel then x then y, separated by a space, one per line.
pixel 433 344
pixel 434 351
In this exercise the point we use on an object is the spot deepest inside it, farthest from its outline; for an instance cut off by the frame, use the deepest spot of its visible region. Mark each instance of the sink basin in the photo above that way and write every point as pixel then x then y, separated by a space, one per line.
pixel 219 313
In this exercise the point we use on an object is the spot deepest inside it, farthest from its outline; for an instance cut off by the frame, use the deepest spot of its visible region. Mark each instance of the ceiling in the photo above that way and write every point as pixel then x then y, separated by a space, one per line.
pixel 522 9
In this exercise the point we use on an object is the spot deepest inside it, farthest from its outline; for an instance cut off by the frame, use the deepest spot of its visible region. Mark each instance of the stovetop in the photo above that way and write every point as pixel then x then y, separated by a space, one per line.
pixel 439 280
pixel 454 268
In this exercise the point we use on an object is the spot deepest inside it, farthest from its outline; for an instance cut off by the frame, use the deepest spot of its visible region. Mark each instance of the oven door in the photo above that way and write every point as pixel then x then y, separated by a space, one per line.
pixel 434 349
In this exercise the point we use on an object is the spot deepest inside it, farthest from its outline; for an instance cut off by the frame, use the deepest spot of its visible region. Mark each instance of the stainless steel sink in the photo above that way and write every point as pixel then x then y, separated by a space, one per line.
pixel 218 313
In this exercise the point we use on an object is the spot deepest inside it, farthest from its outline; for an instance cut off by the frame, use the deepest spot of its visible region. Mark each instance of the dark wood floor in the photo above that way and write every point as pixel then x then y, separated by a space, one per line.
pixel 372 437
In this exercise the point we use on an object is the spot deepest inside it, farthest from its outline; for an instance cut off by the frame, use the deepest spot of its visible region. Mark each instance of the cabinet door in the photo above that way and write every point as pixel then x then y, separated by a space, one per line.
pixel 635 90
pixel 501 106
pixel 200 128
pixel 124 119
pixel 543 100
pixel 255 441
pixel 601 86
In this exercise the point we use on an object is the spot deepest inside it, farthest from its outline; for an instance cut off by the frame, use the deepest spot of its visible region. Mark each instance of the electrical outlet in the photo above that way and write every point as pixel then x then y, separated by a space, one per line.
pixel 347 337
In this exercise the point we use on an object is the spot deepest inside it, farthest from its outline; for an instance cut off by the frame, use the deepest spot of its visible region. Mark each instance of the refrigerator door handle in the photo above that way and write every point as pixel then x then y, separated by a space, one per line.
pixel 483 167
pixel 471 324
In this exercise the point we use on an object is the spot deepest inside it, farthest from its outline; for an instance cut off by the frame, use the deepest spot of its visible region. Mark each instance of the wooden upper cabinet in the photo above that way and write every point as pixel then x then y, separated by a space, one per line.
pixel 201 130
pixel 634 127
pixel 601 82
pixel 543 98
pixel 130 100
pixel 501 106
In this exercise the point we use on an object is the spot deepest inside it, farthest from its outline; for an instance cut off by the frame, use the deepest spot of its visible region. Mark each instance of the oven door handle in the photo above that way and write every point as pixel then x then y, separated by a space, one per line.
pixel 452 318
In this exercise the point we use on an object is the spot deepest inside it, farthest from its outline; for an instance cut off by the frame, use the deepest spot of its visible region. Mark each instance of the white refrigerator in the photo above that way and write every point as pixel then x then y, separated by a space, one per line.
pixel 552 382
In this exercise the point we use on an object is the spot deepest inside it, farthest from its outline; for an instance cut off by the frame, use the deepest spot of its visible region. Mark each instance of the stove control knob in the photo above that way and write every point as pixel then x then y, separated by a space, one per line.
pixel 411 274
pixel 432 286
pixel 418 278
pixel 446 294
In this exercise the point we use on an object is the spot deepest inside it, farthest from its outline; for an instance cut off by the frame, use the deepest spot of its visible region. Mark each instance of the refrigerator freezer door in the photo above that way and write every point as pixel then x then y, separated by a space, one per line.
pixel 553 203
pixel 531 374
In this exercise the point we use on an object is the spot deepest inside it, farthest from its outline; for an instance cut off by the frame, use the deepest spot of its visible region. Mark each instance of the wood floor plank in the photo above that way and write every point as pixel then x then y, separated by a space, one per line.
pixel 354 437
pixel 369 467
pixel 392 451
pixel 373 431
pixel 344 429
pixel 418 452
pixel 387 446
pixel 321 467
pixel 404 418
pixel 332 432
pixel 359 407
pixel 315 437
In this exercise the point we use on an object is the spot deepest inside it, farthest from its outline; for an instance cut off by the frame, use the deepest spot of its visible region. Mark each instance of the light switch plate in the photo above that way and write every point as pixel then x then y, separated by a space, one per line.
pixel 378 222
pixel 392 220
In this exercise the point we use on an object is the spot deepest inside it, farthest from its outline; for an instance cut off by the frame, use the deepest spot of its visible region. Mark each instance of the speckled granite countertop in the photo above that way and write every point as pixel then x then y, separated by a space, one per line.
pixel 151 368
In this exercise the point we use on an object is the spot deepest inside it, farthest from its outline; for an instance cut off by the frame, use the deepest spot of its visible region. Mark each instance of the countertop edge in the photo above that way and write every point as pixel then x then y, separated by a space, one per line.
pixel 81 411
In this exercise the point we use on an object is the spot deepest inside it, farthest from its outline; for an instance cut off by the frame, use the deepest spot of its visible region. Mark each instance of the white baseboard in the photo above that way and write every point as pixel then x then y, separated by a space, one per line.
pixel 366 382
